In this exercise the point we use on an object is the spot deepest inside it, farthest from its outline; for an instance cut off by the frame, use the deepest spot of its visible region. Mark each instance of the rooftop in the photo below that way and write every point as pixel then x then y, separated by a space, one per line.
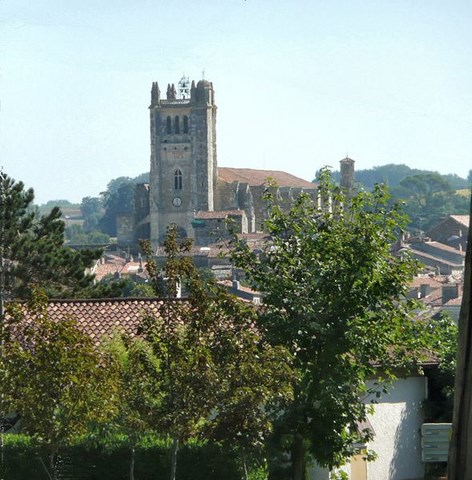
pixel 262 177
pixel 220 214
pixel 102 317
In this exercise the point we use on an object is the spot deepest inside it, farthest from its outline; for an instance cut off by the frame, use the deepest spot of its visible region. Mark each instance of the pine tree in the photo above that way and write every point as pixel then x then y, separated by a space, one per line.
pixel 33 249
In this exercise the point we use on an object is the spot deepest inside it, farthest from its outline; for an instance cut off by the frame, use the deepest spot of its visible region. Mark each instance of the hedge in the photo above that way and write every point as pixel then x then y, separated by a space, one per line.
pixel 24 460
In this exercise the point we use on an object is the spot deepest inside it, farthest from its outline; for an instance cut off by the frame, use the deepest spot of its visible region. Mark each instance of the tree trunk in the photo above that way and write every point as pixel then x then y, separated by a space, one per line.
pixel 131 463
pixel 298 458
pixel 460 450
pixel 52 464
pixel 175 449
pixel 244 461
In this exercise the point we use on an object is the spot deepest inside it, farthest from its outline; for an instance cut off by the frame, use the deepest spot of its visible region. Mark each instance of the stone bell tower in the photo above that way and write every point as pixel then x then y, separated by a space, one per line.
pixel 183 170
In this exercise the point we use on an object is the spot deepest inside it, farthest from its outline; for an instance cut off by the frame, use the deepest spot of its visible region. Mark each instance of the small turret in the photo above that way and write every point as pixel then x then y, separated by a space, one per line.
pixel 155 94
pixel 347 175
pixel 204 93
pixel 171 92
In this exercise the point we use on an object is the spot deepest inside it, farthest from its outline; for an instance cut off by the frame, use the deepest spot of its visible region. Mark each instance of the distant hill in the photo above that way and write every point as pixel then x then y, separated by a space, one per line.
pixel 392 175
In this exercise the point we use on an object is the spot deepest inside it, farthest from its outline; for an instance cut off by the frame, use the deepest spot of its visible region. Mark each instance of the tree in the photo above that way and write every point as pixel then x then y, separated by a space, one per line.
pixel 52 374
pixel 92 210
pixel 76 235
pixel 219 377
pixel 429 198
pixel 119 198
pixel 138 390
pixel 334 297
pixel 34 249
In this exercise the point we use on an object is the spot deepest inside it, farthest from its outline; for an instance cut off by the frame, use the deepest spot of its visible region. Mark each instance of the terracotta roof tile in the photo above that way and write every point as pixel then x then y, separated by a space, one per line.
pixel 100 318
pixel 260 177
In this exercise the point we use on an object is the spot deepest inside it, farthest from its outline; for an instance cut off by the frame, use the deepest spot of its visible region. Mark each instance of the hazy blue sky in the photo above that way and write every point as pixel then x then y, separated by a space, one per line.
pixel 299 83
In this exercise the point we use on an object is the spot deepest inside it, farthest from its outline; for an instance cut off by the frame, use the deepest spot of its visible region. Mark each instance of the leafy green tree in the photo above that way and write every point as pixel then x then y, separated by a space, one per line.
pixel 139 392
pixel 119 198
pixel 76 235
pixel 334 297
pixel 52 374
pixel 429 198
pixel 34 249
pixel 219 376
pixel 56 203
pixel 439 405
pixel 92 211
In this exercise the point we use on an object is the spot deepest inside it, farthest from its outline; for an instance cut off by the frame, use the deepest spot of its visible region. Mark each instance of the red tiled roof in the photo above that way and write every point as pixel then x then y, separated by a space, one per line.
pixel 102 317
pixel 434 282
pixel 260 177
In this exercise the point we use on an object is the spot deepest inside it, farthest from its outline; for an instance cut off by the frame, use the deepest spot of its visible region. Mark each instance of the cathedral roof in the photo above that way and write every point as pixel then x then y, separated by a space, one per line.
pixel 220 214
pixel 255 177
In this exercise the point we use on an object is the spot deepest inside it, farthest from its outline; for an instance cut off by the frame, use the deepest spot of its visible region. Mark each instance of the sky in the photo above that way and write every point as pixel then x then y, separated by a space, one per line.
pixel 299 84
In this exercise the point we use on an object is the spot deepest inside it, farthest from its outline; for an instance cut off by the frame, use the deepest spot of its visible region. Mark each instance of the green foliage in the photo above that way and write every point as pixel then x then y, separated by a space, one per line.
pixel 142 290
pixel 429 198
pixel 77 235
pixel 198 461
pixel 52 375
pixel 139 393
pixel 56 203
pixel 334 297
pixel 439 405
pixel 219 376
pixel 392 175
pixel 34 249
pixel 118 199
pixel 92 210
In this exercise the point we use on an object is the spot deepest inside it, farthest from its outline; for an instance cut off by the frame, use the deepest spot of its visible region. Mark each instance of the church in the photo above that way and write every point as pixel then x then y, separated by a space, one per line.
pixel 186 186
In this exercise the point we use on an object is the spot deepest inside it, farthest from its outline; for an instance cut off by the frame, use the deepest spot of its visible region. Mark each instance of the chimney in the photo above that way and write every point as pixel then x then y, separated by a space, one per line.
pixel 449 292
pixel 425 290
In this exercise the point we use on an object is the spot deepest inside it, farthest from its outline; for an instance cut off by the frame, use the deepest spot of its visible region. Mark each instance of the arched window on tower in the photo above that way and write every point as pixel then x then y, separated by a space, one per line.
pixel 169 125
pixel 185 124
pixel 177 124
pixel 178 179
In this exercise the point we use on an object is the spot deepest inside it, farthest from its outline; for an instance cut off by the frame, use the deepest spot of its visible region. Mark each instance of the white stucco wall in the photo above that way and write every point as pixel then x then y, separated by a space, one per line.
pixel 397 424
pixel 397 442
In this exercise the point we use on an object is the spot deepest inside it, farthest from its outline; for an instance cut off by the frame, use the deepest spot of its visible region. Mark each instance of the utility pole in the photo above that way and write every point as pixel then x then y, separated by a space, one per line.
pixel 460 449
pixel 2 287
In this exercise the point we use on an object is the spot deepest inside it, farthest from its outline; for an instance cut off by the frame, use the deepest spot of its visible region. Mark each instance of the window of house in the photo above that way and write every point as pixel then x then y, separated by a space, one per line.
pixel 178 179
pixel 185 124
pixel 176 124
pixel 169 125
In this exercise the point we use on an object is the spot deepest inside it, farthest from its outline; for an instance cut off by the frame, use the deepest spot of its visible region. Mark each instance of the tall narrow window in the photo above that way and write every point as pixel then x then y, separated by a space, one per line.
pixel 178 179
pixel 185 124
pixel 169 125
pixel 176 124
